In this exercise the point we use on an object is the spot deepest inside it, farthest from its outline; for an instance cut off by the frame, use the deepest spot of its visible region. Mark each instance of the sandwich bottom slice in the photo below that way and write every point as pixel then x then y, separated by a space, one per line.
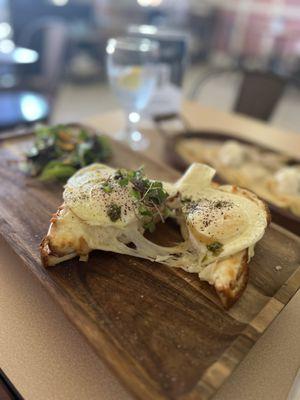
pixel 111 210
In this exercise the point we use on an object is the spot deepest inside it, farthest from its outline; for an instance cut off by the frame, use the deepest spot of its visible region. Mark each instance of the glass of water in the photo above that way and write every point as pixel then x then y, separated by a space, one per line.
pixel 132 74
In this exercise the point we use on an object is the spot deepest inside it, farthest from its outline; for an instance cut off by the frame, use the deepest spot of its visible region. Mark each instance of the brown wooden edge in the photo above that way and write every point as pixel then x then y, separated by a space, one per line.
pixel 214 376
pixel 7 390
pixel 217 374
pixel 109 352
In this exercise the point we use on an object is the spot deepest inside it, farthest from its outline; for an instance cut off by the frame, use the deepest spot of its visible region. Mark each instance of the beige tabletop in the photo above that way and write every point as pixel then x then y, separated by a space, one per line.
pixel 200 117
pixel 46 358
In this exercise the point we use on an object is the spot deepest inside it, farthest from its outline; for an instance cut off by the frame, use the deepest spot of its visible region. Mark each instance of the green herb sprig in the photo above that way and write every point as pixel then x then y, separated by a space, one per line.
pixel 216 248
pixel 107 187
pixel 150 196
pixel 114 212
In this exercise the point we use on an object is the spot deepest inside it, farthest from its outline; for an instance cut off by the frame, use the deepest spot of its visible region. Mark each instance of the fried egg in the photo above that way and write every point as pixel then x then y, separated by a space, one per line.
pixel 85 195
pixel 233 217
pixel 220 225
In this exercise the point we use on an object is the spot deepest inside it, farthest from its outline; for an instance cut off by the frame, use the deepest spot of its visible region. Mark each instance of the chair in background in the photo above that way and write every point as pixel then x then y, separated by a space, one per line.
pixel 38 88
pixel 258 94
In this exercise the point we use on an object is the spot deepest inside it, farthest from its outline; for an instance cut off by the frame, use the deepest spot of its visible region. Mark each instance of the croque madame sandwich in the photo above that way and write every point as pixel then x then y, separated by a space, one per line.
pixel 110 210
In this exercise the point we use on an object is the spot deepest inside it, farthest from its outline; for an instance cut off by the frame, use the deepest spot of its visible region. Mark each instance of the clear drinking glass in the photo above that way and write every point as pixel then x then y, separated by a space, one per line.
pixel 132 74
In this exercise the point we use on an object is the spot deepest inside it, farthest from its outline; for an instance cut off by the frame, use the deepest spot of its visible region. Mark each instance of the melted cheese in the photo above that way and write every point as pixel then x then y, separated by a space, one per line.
pixel 222 273
pixel 236 218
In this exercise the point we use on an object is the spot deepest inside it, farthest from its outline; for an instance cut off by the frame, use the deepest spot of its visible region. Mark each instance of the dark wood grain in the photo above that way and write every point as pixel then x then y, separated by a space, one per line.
pixel 161 330
pixel 7 390
pixel 5 394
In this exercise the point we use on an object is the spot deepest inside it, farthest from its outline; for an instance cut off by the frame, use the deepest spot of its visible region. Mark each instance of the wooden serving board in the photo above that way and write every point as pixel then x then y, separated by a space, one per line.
pixel 161 330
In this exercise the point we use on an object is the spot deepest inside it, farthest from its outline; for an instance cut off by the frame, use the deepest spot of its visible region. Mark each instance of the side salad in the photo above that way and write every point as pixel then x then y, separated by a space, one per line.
pixel 59 151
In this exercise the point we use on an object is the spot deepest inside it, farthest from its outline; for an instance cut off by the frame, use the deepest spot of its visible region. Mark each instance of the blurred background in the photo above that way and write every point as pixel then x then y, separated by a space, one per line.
pixel 52 54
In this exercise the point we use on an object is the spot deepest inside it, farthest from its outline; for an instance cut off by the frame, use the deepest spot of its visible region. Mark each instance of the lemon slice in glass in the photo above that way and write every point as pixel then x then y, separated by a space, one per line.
pixel 131 79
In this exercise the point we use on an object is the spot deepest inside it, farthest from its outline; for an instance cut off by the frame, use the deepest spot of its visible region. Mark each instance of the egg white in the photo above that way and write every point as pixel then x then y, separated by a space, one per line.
pixel 237 224
pixel 86 198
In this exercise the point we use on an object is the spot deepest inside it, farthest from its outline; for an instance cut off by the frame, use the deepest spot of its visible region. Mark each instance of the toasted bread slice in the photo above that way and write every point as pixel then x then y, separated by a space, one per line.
pixel 82 224
pixel 229 277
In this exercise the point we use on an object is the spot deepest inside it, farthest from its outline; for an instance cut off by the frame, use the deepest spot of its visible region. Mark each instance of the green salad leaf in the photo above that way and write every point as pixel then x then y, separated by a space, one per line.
pixel 58 151
pixel 56 170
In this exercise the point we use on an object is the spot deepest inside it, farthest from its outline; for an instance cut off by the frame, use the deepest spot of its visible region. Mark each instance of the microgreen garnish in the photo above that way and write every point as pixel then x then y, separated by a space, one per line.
pixel 123 182
pixel 136 194
pixel 106 187
pixel 149 226
pixel 121 176
pixel 143 210
pixel 216 248
pixel 150 196
pixel 114 212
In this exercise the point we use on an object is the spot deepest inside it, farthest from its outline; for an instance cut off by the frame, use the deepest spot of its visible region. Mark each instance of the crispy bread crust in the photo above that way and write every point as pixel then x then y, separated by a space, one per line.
pixel 252 196
pixel 45 251
pixel 50 258
pixel 230 294
pixel 51 255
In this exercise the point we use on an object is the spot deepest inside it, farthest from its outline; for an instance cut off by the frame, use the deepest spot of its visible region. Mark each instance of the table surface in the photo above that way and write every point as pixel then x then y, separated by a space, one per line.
pixel 207 118
pixel 45 357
